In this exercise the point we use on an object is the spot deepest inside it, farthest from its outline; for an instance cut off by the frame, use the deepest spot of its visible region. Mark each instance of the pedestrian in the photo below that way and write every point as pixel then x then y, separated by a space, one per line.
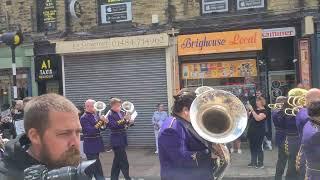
pixel 52 138
pixel 301 119
pixel 92 140
pixel 118 124
pixel 159 116
pixel 256 132
pixel 236 146
pixel 182 154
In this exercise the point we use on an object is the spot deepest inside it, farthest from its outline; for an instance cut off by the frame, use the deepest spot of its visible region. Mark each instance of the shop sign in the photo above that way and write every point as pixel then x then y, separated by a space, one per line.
pixel 116 11
pixel 47 67
pixel 75 9
pixel 249 4
pixel 130 42
pixel 210 6
pixel 305 65
pixel 48 15
pixel 278 32
pixel 220 42
pixel 221 69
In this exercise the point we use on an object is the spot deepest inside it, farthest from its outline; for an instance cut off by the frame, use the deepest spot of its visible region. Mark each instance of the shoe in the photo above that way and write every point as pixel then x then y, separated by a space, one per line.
pixel 260 166
pixel 269 145
pixel 239 151
pixel 231 150
pixel 110 150
pixel 251 165
pixel 156 152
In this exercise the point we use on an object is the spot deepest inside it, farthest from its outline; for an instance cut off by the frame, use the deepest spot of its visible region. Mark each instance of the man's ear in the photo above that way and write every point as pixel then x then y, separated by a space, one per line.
pixel 34 136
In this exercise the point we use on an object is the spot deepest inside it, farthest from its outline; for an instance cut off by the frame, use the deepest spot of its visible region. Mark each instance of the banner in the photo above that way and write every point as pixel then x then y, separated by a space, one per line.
pixel 223 69
pixel 221 42
pixel 305 65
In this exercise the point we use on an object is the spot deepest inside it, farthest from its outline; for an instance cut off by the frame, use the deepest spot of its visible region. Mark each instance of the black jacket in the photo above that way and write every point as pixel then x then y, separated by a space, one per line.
pixel 16 159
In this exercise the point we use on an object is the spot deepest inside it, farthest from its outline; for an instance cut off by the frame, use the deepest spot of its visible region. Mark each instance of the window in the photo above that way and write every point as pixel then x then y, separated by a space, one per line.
pixel 249 4
pixel 210 6
pixel 113 11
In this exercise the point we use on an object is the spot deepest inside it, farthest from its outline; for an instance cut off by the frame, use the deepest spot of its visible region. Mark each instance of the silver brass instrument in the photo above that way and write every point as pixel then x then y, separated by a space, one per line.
pixel 202 89
pixel 219 117
pixel 99 106
pixel 129 109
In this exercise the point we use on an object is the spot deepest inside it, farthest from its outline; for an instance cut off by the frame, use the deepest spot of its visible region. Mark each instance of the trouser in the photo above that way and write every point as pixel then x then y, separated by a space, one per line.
pixel 281 163
pixel 269 129
pixel 256 148
pixel 96 168
pixel 156 133
pixel 120 162
pixel 292 151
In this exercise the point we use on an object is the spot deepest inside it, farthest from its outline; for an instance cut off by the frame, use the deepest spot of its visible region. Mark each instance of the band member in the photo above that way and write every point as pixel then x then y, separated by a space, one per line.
pixel 279 124
pixel 311 142
pixel 118 123
pixel 92 140
pixel 301 119
pixel 182 155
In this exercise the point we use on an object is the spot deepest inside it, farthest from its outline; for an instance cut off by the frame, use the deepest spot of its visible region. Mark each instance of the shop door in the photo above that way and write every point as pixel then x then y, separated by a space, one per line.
pixel 280 82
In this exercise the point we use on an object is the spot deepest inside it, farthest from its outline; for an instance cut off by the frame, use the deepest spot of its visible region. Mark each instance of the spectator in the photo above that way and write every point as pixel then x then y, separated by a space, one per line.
pixel 256 132
pixel 159 116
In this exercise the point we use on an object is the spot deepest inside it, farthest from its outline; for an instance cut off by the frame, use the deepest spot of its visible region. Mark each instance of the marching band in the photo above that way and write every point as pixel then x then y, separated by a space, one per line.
pixel 187 140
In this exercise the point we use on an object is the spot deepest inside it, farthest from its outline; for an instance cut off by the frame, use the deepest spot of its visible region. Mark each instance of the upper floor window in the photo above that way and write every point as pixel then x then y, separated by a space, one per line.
pixel 112 11
pixel 249 4
pixel 211 6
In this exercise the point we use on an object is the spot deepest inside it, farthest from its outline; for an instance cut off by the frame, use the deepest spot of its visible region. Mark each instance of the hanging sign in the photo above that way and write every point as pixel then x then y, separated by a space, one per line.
pixel 47 67
pixel 305 64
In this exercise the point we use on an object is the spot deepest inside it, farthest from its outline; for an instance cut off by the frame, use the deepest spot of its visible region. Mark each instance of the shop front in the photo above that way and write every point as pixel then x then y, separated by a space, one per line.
pixel 222 60
pixel 132 68
pixel 25 82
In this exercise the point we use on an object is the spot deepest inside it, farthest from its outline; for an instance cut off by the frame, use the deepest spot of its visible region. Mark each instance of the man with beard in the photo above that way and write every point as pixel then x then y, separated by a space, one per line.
pixel 92 140
pixel 52 137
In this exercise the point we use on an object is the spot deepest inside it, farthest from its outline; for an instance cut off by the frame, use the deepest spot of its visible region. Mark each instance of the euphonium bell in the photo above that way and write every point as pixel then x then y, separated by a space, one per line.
pixel 218 116
pixel 99 106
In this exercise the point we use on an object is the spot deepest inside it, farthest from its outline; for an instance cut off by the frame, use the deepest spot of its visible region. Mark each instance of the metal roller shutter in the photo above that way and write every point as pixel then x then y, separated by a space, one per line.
pixel 136 76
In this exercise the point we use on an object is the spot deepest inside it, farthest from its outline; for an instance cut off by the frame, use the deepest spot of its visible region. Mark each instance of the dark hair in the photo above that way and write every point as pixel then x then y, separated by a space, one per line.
pixel 114 101
pixel 36 113
pixel 314 109
pixel 183 99
pixel 159 104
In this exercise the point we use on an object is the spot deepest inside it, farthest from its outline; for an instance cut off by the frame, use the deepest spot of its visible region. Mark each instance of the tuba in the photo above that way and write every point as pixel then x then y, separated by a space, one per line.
pixel 218 117
pixel 99 106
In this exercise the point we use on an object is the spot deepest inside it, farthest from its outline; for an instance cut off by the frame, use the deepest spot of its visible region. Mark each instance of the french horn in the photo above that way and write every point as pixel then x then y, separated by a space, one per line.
pixel 218 117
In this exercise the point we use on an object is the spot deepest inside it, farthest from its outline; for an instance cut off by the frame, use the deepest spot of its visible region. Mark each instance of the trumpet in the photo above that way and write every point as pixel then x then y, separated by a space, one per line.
pixel 99 106
pixel 218 117
pixel 292 111
pixel 277 106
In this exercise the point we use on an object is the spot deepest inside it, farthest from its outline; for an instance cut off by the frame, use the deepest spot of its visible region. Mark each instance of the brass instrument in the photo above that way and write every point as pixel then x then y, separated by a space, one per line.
pixel 129 109
pixel 218 117
pixel 297 100
pixel 276 106
pixel 202 89
pixel 99 106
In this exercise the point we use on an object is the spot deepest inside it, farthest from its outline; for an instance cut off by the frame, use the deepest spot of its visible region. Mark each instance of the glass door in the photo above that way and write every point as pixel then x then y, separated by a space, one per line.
pixel 280 82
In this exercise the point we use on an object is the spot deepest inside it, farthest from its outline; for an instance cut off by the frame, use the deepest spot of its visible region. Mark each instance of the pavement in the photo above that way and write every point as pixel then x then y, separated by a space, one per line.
pixel 144 165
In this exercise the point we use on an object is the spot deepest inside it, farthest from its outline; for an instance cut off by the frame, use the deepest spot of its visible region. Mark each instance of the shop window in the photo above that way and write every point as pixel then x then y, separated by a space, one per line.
pixel 115 11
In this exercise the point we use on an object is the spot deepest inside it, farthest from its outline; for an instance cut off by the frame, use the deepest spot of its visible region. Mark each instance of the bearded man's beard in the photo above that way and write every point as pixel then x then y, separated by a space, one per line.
pixel 71 157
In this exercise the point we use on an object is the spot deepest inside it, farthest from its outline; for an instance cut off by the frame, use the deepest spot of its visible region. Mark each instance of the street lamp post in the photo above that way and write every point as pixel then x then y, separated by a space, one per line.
pixel 13 39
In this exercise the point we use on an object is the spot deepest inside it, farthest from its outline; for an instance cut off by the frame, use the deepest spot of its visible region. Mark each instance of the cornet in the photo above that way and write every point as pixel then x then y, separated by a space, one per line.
pixel 218 117
pixel 276 106
pixel 99 106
